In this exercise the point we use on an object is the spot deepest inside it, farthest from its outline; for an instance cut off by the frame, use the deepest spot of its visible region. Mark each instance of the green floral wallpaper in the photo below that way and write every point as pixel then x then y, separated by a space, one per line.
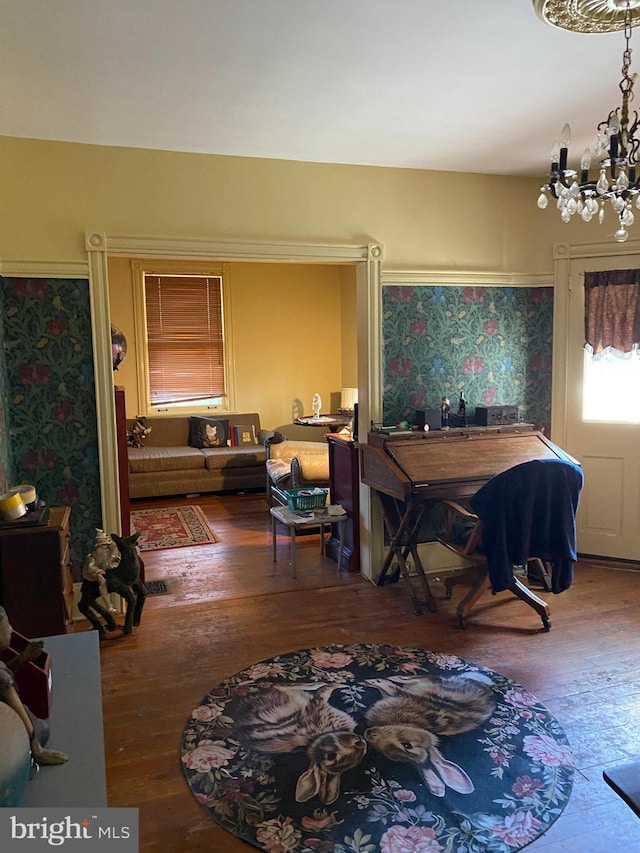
pixel 4 408
pixel 492 343
pixel 50 396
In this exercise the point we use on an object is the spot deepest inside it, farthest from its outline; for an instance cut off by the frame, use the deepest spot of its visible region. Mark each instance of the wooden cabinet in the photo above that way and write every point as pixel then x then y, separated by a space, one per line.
pixel 123 469
pixel 344 474
pixel 123 462
pixel 36 586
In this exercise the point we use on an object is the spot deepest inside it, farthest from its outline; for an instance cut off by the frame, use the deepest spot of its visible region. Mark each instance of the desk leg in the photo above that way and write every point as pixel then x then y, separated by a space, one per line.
pixel 293 552
pixel 402 521
pixel 274 555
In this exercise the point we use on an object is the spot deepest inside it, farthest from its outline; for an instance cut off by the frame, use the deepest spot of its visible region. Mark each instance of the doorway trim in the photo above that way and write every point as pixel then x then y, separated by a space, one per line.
pixel 367 257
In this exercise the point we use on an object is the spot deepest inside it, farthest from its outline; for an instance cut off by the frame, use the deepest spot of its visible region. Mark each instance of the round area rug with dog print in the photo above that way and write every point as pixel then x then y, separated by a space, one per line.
pixel 365 748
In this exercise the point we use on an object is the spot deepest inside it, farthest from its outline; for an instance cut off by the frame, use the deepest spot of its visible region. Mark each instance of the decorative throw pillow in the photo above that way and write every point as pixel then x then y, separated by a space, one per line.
pixel 208 432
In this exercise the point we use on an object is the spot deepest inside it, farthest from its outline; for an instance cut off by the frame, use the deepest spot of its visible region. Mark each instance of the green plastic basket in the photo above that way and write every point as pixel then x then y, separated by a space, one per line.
pixel 306 498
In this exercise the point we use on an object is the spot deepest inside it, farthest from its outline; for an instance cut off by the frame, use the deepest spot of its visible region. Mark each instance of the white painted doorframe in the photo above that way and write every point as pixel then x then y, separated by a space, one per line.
pixel 608 522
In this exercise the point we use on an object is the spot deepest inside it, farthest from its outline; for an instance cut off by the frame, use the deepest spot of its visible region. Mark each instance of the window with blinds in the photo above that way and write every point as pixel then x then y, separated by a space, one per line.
pixel 185 338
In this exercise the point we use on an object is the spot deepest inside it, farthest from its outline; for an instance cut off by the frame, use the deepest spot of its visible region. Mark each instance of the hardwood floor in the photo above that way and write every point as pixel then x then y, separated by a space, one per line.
pixel 229 606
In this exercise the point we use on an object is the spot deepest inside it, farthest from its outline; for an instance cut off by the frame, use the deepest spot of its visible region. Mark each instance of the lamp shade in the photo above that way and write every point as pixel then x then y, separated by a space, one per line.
pixel 348 399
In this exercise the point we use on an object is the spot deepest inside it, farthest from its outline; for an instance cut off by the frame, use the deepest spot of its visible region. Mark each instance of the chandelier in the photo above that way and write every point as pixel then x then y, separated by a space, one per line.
pixel 615 179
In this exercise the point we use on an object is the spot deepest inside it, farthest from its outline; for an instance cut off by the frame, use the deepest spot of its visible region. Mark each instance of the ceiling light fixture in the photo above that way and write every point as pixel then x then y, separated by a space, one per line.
pixel 617 147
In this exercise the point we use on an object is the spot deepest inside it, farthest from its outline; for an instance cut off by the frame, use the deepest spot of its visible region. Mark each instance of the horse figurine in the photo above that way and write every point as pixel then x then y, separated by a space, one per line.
pixel 119 573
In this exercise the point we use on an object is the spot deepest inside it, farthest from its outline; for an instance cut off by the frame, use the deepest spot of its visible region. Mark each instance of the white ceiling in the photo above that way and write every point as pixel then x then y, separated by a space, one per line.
pixel 471 85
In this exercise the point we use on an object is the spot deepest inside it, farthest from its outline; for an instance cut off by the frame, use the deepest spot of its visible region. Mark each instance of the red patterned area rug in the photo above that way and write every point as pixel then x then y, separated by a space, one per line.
pixel 171 527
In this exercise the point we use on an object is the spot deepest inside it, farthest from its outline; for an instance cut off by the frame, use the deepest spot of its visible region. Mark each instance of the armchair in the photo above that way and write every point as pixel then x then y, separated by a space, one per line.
pixel 294 464
pixel 524 515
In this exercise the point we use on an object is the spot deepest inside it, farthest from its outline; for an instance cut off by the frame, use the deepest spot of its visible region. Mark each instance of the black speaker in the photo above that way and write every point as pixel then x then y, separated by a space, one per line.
pixel 497 415
pixel 420 419
pixel 355 422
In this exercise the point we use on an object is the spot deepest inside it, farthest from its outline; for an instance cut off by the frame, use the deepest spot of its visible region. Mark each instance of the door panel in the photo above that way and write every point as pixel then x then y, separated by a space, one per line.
pixel 603 503
pixel 608 521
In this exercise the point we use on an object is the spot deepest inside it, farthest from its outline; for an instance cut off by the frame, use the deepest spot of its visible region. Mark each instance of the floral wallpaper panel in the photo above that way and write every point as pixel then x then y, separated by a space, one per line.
pixel 4 408
pixel 50 399
pixel 492 343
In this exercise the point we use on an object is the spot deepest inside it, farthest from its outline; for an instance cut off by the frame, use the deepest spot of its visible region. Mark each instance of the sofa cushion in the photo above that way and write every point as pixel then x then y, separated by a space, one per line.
pixel 148 459
pixel 233 457
pixel 208 432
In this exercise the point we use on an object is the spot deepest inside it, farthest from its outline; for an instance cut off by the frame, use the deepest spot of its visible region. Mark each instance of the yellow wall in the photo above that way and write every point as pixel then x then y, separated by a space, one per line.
pixel 349 329
pixel 52 192
pixel 121 306
pixel 287 330
pixel 287 347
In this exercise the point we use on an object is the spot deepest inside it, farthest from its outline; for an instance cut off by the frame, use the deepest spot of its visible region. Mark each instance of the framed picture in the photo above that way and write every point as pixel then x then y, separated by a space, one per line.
pixel 244 434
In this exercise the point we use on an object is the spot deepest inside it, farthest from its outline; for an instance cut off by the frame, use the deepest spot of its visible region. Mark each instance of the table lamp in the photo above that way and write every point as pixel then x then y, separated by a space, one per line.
pixel 348 399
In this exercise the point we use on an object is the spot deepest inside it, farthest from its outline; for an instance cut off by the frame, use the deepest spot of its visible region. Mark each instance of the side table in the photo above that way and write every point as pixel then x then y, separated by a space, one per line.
pixel 301 520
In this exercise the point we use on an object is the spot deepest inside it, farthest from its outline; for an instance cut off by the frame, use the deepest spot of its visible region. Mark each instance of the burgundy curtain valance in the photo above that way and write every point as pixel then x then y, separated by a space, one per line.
pixel 612 311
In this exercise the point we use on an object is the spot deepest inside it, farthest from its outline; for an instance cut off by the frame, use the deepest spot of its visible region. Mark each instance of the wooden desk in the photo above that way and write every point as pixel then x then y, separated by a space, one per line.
pixel 410 473
pixel 76 727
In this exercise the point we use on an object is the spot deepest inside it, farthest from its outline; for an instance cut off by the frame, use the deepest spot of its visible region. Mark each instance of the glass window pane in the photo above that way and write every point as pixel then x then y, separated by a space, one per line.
pixel 610 389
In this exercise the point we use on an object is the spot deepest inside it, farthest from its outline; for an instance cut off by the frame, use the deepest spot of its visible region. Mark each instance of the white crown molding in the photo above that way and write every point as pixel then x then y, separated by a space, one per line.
pixel 44 269
pixel 158 247
pixel 451 278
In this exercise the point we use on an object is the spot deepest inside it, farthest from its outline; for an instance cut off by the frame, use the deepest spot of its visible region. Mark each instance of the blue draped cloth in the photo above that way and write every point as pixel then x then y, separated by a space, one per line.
pixel 529 511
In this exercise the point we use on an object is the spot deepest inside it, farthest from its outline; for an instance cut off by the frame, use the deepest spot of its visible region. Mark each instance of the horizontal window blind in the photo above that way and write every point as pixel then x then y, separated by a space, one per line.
pixel 185 340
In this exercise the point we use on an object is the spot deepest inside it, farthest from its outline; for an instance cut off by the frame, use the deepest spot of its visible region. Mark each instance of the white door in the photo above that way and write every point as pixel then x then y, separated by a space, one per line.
pixel 608 449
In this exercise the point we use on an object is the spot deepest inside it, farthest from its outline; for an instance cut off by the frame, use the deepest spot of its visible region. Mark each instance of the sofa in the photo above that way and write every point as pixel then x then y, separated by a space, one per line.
pixel 293 464
pixel 168 463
